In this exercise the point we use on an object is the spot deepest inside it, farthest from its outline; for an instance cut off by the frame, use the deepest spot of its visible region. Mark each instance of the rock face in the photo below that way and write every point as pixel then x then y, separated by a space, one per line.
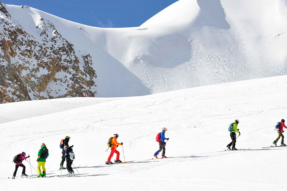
pixel 41 67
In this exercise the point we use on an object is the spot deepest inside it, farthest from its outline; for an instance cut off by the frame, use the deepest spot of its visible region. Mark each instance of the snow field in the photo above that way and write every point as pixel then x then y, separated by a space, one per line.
pixel 197 120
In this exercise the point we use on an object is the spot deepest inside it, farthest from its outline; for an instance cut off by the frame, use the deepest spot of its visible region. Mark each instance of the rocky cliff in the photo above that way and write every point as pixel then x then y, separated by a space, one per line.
pixel 41 66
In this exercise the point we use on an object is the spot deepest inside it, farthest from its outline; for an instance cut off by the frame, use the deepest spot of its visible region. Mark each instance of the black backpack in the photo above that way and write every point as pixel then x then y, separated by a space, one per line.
pixel 45 153
pixel 16 159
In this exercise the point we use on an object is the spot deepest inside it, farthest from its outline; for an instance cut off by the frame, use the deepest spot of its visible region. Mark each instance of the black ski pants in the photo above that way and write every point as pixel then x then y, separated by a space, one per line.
pixel 161 147
pixel 69 165
pixel 63 158
pixel 233 138
pixel 16 169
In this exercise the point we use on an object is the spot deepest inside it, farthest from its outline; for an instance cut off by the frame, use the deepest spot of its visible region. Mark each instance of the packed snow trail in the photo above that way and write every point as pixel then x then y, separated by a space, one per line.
pixel 197 121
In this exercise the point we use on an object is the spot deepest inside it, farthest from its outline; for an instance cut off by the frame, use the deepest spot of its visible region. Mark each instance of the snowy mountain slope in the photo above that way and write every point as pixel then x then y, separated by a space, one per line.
pixel 191 43
pixel 197 120
pixel 22 110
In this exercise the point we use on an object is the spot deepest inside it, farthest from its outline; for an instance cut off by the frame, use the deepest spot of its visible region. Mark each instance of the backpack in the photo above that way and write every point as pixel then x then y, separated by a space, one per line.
pixel 157 138
pixel 45 153
pixel 230 128
pixel 62 144
pixel 16 159
pixel 277 126
pixel 110 142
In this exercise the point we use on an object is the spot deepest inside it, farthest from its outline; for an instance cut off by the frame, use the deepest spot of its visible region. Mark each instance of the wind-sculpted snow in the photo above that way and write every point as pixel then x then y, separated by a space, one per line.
pixel 189 44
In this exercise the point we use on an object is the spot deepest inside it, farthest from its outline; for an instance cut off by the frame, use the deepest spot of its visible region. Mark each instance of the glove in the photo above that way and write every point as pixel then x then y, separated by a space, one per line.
pixel 28 156
pixel 167 138
pixel 37 160
pixel 122 143
pixel 239 133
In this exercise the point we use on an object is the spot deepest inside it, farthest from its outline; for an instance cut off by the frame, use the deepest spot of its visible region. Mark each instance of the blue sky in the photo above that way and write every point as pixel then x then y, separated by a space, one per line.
pixel 100 13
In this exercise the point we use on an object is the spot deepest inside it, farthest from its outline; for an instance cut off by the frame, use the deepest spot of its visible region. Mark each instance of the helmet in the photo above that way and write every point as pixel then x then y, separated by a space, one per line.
pixel 24 154
pixel 164 129
pixel 236 121
pixel 116 135
pixel 67 137
pixel 283 120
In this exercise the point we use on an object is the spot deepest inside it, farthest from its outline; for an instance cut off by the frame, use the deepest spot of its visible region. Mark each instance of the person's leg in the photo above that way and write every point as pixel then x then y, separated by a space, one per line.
pixel 112 153
pixel 118 155
pixel 163 147
pixel 43 167
pixel 160 148
pixel 72 166
pixel 16 169
pixel 68 161
pixel 279 135
pixel 282 141
pixel 233 140
pixel 39 168
pixel 24 168
pixel 230 144
pixel 63 158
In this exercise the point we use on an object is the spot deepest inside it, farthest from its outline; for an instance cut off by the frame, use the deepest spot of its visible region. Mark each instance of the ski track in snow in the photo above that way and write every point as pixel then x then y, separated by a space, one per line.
pixel 197 120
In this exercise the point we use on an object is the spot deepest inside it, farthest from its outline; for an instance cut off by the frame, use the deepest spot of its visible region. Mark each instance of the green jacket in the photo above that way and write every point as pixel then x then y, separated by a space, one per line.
pixel 40 153
pixel 235 128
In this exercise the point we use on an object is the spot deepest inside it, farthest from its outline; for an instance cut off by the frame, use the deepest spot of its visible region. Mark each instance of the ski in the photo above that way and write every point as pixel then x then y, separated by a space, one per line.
pixel 121 162
pixel 273 146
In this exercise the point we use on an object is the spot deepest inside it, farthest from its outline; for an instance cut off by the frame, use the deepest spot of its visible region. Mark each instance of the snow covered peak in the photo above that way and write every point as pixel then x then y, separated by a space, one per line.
pixel 190 43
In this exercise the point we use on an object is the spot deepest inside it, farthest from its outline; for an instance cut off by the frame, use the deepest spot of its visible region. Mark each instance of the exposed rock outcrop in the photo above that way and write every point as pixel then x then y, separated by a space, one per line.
pixel 41 67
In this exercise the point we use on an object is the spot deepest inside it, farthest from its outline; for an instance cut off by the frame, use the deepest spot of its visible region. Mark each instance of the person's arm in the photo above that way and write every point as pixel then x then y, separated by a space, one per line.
pixel 39 153
pixel 283 125
pixel 116 142
pixel 162 136
pixel 235 128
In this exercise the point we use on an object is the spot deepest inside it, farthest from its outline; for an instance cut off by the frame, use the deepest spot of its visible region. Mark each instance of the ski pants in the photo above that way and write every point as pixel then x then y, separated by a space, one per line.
pixel 161 147
pixel 69 165
pixel 233 138
pixel 63 158
pixel 114 150
pixel 280 135
pixel 41 164
pixel 16 169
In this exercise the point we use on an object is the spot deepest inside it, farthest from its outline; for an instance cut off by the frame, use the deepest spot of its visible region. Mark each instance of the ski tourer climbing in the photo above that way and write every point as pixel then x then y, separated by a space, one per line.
pixel 280 133
pixel 18 159
pixel 114 144
pixel 161 139
pixel 233 130
pixel 63 143
pixel 70 156
pixel 43 154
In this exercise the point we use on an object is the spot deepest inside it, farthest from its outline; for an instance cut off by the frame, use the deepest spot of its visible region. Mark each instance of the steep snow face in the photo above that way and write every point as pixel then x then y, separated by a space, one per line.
pixel 190 43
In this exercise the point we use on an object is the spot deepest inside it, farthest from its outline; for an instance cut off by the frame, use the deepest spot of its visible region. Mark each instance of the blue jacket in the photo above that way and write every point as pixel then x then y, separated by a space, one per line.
pixel 162 136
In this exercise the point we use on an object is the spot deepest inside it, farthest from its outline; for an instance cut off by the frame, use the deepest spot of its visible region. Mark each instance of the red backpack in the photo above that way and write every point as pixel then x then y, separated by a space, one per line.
pixel 157 138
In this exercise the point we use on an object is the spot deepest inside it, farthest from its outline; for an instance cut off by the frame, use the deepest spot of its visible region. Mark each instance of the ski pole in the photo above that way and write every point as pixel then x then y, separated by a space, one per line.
pixel 30 166
pixel 76 169
pixel 124 153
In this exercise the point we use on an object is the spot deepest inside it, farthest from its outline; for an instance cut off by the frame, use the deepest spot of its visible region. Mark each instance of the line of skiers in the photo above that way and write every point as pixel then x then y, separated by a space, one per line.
pixel 69 156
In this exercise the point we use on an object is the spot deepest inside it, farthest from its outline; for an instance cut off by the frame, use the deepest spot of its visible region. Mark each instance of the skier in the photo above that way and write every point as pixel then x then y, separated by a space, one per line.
pixel 233 131
pixel 162 144
pixel 43 154
pixel 18 162
pixel 70 156
pixel 280 133
pixel 114 146
pixel 63 143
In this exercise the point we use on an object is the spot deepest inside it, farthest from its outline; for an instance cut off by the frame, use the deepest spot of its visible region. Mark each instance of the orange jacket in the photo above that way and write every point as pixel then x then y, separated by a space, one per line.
pixel 115 143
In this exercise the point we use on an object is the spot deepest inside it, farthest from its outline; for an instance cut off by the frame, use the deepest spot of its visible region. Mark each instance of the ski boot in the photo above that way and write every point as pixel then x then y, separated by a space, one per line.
pixel 109 163
pixel 275 144
pixel 40 175
pixel 235 149
pixel 283 145
pixel 24 175
pixel 71 174
pixel 164 157
pixel 228 147
pixel 118 161
pixel 155 156
pixel 13 177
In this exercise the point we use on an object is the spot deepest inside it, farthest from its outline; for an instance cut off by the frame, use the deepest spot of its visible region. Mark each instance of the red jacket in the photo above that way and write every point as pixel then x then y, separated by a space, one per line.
pixel 281 127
